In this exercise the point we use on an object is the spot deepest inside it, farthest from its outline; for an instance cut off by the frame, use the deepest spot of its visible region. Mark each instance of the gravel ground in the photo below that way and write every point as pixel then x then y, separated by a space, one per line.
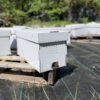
pixel 80 79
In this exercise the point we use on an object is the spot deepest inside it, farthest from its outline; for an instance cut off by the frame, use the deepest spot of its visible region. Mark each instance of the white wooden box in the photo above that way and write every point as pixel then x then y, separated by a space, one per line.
pixel 5 41
pixel 42 47
pixel 78 30
pixel 13 40
pixel 94 29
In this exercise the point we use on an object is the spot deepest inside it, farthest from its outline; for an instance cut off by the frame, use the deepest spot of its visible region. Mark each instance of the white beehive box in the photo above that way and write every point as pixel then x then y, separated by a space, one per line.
pixel 94 29
pixel 13 40
pixel 42 47
pixel 78 30
pixel 5 41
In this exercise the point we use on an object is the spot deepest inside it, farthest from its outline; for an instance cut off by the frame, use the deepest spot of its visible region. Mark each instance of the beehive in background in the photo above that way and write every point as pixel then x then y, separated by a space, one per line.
pixel 5 41
pixel 94 29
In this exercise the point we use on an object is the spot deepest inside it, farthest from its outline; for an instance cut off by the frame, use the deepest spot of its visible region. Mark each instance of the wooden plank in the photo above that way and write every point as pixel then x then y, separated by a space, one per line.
pixel 52 76
pixel 14 65
pixel 15 62
pixel 12 58
pixel 87 41
pixel 23 78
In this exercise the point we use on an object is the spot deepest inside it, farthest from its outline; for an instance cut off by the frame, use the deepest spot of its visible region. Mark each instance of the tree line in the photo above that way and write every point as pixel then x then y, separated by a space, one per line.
pixel 21 11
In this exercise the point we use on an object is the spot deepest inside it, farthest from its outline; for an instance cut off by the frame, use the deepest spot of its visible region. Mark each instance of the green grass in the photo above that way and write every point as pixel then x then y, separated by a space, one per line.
pixel 14 97
pixel 56 23
pixel 94 94
pixel 48 23
pixel 74 97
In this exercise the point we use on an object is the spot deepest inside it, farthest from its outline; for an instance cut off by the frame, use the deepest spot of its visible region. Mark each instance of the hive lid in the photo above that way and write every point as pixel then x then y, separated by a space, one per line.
pixel 43 35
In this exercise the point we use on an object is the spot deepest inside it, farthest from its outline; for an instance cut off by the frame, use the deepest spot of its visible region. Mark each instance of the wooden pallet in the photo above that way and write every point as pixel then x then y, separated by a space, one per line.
pixel 15 62
pixel 19 64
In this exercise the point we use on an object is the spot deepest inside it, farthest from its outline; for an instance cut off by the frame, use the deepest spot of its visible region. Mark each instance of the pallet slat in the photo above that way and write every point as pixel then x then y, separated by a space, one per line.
pixel 4 64
pixel 15 62
pixel 12 58
pixel 23 78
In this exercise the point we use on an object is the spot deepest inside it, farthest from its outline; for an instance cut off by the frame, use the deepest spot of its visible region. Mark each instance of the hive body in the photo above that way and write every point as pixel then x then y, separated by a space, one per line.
pixel 41 48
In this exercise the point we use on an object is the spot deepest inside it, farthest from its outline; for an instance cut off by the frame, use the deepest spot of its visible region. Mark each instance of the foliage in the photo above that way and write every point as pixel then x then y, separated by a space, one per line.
pixel 18 16
pixel 19 12
pixel 84 20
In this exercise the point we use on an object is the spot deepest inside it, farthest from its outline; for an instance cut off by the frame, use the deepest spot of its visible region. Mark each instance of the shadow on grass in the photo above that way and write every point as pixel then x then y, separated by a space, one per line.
pixel 61 72
pixel 64 71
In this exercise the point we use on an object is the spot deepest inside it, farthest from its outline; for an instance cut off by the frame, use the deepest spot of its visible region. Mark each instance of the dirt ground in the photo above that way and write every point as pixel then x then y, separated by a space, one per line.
pixel 80 80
